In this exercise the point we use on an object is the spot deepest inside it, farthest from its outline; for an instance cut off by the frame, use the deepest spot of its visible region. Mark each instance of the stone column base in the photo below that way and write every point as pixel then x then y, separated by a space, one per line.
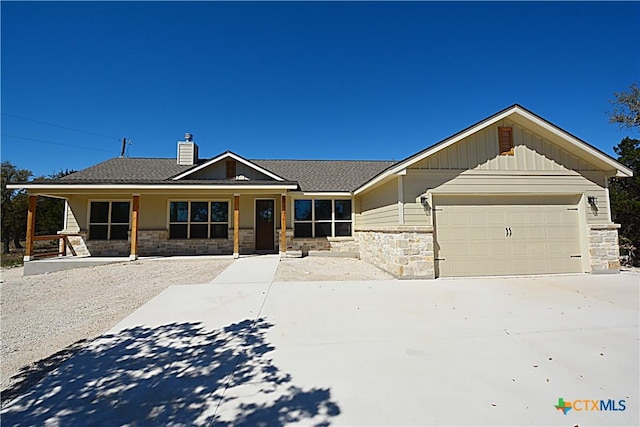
pixel 604 252
pixel 404 251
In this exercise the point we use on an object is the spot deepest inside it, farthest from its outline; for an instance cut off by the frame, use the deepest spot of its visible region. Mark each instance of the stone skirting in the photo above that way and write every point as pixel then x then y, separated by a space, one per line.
pixel 82 246
pixel 327 246
pixel 604 252
pixel 157 242
pixel 404 251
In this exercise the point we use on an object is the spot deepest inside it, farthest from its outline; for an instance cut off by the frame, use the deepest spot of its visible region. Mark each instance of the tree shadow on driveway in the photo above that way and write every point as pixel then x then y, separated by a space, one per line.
pixel 175 374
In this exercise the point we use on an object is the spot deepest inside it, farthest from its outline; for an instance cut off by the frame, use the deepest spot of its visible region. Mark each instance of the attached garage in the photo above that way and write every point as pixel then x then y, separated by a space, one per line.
pixel 505 235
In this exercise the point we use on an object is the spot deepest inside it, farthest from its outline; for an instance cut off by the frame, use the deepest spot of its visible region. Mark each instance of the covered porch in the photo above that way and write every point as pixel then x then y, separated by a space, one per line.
pixel 154 223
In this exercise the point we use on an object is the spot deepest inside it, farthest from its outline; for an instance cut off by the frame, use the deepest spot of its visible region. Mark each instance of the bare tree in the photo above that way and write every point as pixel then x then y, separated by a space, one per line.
pixel 626 112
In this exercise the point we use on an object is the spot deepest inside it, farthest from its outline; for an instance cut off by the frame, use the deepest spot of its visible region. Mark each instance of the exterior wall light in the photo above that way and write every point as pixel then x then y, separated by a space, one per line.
pixel 593 200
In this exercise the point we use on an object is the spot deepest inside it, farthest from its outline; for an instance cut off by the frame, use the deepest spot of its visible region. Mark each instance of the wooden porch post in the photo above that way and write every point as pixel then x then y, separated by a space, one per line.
pixel 134 227
pixel 283 225
pixel 236 226
pixel 31 227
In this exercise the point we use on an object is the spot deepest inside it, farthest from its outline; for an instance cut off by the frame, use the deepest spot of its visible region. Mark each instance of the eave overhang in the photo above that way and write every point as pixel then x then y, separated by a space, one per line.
pixel 130 187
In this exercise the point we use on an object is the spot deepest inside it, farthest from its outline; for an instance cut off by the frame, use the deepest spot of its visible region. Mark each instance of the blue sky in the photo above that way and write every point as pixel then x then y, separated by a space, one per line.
pixel 319 80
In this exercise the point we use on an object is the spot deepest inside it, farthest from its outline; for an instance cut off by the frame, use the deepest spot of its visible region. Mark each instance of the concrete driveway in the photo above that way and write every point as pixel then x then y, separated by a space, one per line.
pixel 491 351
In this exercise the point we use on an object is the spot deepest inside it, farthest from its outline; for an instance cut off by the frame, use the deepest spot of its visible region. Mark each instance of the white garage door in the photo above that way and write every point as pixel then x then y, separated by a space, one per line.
pixel 487 236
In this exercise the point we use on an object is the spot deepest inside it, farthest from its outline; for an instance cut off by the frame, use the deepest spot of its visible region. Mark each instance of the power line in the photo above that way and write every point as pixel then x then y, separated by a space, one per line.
pixel 56 143
pixel 58 126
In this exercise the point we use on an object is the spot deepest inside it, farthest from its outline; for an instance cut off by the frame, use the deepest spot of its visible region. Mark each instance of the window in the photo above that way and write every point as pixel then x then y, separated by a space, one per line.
pixel 505 141
pixel 321 218
pixel 109 221
pixel 198 220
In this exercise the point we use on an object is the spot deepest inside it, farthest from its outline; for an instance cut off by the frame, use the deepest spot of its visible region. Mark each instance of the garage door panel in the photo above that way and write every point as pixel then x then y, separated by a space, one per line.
pixel 555 249
pixel 475 241
pixel 535 233
pixel 481 234
pixel 460 234
pixel 538 249
pixel 519 249
pixel 535 217
pixel 480 250
pixel 499 250
pixel 517 219
pixel 571 234
pixel 496 219
pixel 554 218
pixel 459 219
pixel 497 233
pixel 462 250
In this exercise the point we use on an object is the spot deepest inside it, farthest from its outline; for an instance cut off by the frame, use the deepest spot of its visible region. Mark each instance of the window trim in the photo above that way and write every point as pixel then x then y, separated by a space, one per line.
pixel 314 221
pixel 188 223
pixel 108 223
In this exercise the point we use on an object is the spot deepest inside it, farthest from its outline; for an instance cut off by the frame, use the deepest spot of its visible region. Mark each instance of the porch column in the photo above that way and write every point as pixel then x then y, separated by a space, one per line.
pixel 31 227
pixel 283 225
pixel 236 226
pixel 134 227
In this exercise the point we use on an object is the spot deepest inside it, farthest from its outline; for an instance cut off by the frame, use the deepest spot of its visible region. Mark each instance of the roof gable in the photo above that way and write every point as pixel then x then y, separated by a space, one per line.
pixel 480 151
pixel 216 169
pixel 525 119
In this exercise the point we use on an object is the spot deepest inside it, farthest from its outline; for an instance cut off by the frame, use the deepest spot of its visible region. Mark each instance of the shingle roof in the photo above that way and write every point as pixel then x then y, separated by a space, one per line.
pixel 128 169
pixel 326 175
pixel 311 175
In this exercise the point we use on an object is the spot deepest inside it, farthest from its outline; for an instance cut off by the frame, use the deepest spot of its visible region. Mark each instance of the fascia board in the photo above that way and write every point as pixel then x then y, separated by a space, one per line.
pixel 149 187
pixel 327 193
pixel 398 168
pixel 621 169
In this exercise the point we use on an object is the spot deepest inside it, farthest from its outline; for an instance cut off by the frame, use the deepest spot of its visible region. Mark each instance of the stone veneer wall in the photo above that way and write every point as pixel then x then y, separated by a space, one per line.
pixel 331 246
pixel 77 242
pixel 604 252
pixel 404 251
pixel 157 242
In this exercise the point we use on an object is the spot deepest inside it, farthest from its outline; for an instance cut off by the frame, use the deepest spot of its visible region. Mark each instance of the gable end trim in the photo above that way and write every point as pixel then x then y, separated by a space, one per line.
pixel 227 155
pixel 621 170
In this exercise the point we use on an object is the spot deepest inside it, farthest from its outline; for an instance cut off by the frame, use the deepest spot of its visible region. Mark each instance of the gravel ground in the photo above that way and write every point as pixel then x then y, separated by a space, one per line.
pixel 46 314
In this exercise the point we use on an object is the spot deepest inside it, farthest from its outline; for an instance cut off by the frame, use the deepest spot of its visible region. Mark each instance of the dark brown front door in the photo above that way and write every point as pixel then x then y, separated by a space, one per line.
pixel 265 225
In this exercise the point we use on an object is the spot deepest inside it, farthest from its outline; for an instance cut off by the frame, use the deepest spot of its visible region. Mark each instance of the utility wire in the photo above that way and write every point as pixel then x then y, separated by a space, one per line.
pixel 58 126
pixel 56 143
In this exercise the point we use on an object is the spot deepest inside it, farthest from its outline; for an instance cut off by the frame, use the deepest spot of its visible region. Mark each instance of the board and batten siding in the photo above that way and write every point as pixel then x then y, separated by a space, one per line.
pixel 70 222
pixel 378 207
pixel 481 151
pixel 218 171
pixel 417 182
pixel 474 166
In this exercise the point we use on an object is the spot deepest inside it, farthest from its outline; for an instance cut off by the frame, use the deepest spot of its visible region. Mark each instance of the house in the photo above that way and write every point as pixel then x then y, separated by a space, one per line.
pixel 511 194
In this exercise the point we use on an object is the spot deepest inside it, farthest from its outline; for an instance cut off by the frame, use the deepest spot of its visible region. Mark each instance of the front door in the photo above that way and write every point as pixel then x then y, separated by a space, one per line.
pixel 265 224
